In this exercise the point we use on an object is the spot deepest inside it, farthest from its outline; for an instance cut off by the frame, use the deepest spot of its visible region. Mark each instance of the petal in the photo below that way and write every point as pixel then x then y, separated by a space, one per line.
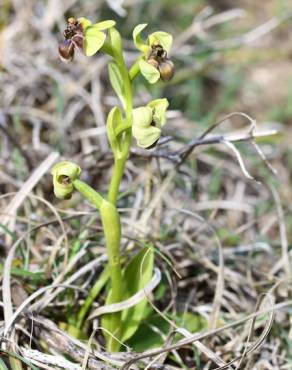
pixel 139 43
pixel 142 117
pixel 151 74
pixel 159 107
pixel 84 22
pixel 93 41
pixel 162 38
pixel 104 25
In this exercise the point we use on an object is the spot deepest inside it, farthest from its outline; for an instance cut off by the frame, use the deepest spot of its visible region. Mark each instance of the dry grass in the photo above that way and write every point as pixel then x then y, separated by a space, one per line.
pixel 209 202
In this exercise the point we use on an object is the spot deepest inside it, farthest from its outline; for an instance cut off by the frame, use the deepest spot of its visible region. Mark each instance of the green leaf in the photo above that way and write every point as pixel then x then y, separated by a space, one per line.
pixel 193 322
pixel 117 81
pixel 137 274
pixel 151 74
pixel 94 40
pixel 146 337
pixel 162 38
pixel 139 43
pixel 104 25
pixel 2 365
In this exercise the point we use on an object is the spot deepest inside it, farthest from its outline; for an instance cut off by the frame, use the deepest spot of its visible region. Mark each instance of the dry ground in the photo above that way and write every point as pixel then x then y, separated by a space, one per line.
pixel 223 240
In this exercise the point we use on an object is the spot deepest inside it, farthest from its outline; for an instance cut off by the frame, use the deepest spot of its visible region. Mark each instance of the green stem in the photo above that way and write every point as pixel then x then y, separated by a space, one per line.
pixel 90 194
pixel 119 164
pixel 112 231
pixel 116 178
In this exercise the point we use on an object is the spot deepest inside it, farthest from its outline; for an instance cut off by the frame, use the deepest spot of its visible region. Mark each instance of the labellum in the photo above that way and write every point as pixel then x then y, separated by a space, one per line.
pixel 166 69
pixel 66 51
pixel 158 59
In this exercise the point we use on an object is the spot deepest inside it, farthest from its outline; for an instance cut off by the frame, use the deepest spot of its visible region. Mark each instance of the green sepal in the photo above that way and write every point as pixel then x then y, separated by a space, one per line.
pixel 105 25
pixel 138 41
pixel 146 137
pixel 142 116
pixel 93 40
pixel 151 73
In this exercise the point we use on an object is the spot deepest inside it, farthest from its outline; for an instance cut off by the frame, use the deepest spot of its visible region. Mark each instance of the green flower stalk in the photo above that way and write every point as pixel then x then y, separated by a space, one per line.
pixel 144 123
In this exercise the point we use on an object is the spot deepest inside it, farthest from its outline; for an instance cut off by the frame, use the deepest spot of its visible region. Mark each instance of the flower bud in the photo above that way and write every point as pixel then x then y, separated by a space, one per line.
pixel 148 121
pixel 64 174
pixel 166 69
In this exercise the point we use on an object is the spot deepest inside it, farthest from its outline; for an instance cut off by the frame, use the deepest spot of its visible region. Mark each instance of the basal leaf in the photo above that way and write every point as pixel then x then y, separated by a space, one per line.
pixel 137 274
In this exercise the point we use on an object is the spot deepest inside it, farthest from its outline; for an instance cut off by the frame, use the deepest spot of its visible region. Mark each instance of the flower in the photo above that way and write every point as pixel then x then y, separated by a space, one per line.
pixel 64 173
pixel 147 123
pixel 154 64
pixel 84 36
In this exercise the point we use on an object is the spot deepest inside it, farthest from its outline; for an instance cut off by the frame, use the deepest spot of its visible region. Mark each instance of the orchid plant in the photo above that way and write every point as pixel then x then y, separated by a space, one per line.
pixel 145 125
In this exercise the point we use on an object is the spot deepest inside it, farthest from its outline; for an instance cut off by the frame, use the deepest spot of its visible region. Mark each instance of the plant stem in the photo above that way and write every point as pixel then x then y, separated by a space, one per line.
pixel 116 178
pixel 112 231
pixel 90 194
pixel 119 164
